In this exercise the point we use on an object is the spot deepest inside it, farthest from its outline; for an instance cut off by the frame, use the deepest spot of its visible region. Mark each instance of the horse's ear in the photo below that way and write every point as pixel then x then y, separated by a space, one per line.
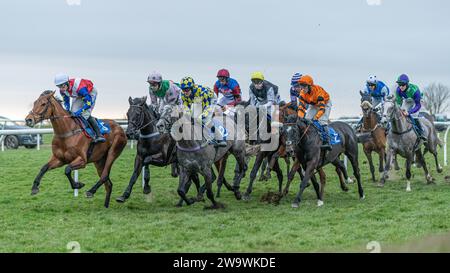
pixel 144 100
pixel 130 100
pixel 53 93
pixel 361 92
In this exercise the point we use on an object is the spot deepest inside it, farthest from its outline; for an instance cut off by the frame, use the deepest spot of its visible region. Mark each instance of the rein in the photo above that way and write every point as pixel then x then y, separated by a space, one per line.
pixel 193 149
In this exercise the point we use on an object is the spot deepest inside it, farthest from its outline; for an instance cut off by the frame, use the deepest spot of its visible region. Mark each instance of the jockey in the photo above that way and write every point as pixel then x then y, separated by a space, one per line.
pixel 293 92
pixel 408 97
pixel 84 95
pixel 163 92
pixel 263 93
pixel 228 87
pixel 320 106
pixel 195 94
pixel 378 90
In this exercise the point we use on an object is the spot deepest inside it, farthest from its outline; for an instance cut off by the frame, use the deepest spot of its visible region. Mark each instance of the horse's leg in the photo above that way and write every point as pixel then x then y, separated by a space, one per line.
pixel 382 156
pixel 421 159
pixel 262 176
pixel 408 172
pixel 353 157
pixel 138 161
pixel 183 186
pixel 53 163
pixel 196 181
pixel 291 175
pixel 317 190
pixel 241 168
pixel 387 167
pixel 147 188
pixel 207 174
pixel 220 165
pixel 369 158
pixel 77 164
pixel 339 170
pixel 435 155
pixel 396 166
pixel 259 159
pixel 323 180
pixel 279 172
pixel 99 165
pixel 309 171
pixel 288 164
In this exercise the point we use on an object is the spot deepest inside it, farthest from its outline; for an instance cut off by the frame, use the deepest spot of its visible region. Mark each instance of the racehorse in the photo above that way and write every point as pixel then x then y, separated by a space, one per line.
pixel 307 142
pixel 376 133
pixel 153 147
pixel 73 148
pixel 196 155
pixel 403 140
pixel 288 117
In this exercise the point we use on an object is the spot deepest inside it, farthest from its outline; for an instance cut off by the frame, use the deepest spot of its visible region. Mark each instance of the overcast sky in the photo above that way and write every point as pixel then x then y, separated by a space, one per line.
pixel 117 43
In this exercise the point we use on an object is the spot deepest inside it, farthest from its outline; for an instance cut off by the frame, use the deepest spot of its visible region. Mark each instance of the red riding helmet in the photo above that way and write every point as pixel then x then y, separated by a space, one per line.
pixel 223 73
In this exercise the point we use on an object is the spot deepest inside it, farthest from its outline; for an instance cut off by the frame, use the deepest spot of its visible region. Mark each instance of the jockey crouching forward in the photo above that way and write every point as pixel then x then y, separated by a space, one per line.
pixel 319 106
pixel 408 97
pixel 84 95
pixel 263 93
pixel 196 94
pixel 163 93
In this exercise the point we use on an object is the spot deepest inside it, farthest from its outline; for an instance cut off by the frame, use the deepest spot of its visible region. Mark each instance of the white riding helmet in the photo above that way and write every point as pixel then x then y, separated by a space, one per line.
pixel 61 78
pixel 154 77
pixel 372 80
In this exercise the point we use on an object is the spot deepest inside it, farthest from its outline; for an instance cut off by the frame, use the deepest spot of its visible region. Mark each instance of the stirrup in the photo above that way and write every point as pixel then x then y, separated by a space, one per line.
pixel 99 139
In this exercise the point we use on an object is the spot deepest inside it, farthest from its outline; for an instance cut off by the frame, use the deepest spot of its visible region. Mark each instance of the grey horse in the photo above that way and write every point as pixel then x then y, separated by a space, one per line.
pixel 196 155
pixel 403 140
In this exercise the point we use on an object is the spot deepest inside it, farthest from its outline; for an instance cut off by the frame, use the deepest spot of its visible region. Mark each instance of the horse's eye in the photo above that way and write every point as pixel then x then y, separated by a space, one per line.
pixel 43 104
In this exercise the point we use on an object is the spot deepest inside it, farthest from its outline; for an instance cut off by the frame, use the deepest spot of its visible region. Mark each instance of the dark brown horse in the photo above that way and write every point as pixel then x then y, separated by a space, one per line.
pixel 375 140
pixel 70 146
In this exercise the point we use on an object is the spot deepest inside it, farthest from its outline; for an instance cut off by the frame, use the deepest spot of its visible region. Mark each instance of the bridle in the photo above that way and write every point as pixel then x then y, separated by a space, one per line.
pixel 41 115
pixel 141 119
pixel 396 118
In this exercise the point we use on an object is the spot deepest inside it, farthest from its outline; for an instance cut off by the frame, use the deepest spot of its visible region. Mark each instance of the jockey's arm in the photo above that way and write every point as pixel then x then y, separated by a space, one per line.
pixel 321 104
pixel 398 99
pixel 153 97
pixel 66 100
pixel 301 107
pixel 417 102
pixel 385 91
pixel 237 94
pixel 86 98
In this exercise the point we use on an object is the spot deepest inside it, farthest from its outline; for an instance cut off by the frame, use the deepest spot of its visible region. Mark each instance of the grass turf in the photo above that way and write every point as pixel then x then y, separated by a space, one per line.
pixel 50 220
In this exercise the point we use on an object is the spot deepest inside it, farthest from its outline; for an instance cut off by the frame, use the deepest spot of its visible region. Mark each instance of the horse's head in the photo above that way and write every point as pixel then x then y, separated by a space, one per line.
pixel 43 108
pixel 290 132
pixel 168 116
pixel 136 116
pixel 393 112
pixel 366 102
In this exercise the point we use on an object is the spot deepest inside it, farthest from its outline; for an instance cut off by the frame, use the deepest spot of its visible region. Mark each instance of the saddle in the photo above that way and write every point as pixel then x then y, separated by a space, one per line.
pixel 105 129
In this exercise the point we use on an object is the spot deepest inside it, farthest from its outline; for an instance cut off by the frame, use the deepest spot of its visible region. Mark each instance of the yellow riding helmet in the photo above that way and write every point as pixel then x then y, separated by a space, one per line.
pixel 257 76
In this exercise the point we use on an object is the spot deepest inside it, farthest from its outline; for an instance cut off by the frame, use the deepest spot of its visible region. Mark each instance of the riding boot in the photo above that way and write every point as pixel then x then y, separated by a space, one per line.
pixel 420 129
pixel 94 126
pixel 325 138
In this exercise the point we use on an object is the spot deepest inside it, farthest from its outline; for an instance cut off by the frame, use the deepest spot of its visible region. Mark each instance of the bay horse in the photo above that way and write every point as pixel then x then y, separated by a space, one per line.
pixel 403 140
pixel 375 134
pixel 70 146
pixel 307 142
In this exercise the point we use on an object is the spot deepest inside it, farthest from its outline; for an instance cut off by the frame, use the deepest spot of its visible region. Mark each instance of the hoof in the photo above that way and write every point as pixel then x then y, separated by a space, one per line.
pixel 440 170
pixel 89 194
pixel 408 189
pixel 380 185
pixel 34 191
pixel 350 181
pixel 345 189
pixel 78 186
pixel 191 201
pixel 319 203
pixel 121 199
pixel 216 206
pixel 295 205
pixel 238 195
pixel 147 190
pixel 362 198
pixel 246 197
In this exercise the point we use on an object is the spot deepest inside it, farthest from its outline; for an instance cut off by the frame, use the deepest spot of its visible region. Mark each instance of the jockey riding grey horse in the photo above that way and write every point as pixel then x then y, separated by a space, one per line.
pixel 403 140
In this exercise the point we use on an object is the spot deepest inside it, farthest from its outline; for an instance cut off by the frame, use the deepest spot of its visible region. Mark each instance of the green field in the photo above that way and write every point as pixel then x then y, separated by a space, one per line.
pixel 48 221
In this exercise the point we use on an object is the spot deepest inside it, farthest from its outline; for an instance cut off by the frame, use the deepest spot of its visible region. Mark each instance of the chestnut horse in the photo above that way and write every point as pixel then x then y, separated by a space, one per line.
pixel 70 146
